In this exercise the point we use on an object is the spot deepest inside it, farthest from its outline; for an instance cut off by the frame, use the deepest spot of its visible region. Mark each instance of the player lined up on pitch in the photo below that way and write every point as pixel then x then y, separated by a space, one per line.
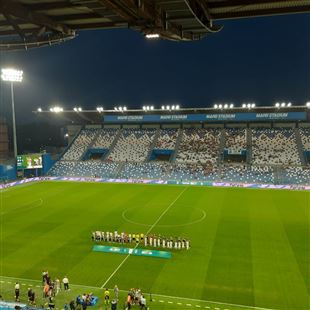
pixel 150 240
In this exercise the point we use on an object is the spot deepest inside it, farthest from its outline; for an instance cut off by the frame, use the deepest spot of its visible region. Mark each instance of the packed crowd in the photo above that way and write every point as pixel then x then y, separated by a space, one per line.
pixel 150 240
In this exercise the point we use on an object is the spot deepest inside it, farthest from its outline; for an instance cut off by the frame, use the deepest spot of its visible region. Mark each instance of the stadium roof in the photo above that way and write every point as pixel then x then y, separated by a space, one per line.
pixel 96 117
pixel 34 23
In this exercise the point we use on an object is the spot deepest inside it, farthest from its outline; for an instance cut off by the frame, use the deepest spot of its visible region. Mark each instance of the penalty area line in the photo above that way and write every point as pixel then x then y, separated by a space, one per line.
pixel 149 230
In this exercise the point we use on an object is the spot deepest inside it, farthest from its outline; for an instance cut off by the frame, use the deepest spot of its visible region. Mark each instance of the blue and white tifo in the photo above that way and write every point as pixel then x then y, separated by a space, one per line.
pixel 131 251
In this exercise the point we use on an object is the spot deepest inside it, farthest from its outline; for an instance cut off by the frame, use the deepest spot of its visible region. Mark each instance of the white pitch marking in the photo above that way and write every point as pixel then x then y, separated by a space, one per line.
pixel 170 302
pixel 197 306
pixel 188 305
pixel 149 230
pixel 161 301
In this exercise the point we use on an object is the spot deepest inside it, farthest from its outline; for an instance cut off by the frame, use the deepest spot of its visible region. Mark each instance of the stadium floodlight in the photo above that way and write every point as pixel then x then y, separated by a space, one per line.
pixel 66 135
pixel 289 104
pixel 283 104
pixel 231 106
pixel 243 105
pixel 277 105
pixel 215 106
pixel 75 109
pixel 249 105
pixel 152 107
pixel 172 107
pixel 177 107
pixel 152 36
pixel 225 106
pixel 99 109
pixel 56 109
pixel 80 109
pixel 220 106
pixel 12 75
pixel 253 105
pixel 39 109
pixel 308 105
pixel 168 107
pixel 163 107
pixel 124 108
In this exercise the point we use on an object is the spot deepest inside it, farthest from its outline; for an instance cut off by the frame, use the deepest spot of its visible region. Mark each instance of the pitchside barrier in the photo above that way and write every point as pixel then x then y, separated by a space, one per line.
pixel 193 183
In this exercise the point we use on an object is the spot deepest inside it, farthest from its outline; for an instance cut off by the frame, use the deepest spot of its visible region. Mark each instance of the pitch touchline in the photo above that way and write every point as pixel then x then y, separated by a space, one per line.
pixel 158 295
pixel 149 230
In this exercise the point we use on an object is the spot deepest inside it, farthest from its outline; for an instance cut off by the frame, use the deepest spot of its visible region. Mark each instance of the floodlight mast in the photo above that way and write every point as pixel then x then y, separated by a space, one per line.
pixel 12 76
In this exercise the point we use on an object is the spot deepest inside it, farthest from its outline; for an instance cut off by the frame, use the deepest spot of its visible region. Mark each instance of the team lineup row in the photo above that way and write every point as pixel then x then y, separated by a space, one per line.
pixel 151 240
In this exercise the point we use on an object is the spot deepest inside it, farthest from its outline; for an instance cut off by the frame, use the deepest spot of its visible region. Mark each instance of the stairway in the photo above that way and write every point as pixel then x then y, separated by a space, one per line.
pixel 118 170
pixel 300 147
pixel 90 144
pixel 177 144
pixel 113 143
pixel 152 145
pixel 249 145
pixel 220 158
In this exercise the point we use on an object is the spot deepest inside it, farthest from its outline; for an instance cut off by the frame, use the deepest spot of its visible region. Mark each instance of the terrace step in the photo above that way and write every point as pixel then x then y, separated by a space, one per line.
pixel 116 138
pixel 249 145
pixel 220 158
pixel 152 145
pixel 300 146
pixel 177 144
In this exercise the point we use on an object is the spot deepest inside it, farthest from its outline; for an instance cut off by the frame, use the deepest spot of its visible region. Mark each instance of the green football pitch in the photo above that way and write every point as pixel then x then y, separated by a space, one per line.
pixel 250 248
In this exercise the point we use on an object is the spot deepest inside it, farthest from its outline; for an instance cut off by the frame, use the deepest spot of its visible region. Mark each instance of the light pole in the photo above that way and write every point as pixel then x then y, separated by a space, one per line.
pixel 12 76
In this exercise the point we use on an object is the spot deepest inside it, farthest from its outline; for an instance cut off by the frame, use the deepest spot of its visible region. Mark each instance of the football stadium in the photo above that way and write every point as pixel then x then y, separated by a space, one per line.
pixel 158 207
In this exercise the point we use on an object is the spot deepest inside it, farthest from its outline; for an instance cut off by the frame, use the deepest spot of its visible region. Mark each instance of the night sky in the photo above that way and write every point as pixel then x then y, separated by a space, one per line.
pixel 262 60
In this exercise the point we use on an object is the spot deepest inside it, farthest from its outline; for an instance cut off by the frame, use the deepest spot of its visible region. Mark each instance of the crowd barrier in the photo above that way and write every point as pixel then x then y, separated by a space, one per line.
pixel 193 183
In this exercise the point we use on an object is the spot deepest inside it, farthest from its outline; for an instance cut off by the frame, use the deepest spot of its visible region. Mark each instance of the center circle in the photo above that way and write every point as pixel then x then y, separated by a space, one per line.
pixel 203 216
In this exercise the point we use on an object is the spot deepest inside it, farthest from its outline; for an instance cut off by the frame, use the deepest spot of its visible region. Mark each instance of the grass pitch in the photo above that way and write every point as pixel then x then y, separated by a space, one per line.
pixel 249 247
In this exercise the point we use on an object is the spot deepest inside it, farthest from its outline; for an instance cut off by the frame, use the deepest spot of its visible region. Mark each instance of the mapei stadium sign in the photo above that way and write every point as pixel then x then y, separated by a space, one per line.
pixel 217 117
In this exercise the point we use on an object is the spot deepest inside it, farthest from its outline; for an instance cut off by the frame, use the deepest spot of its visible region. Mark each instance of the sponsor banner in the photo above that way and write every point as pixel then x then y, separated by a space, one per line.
pixel 195 183
pixel 131 251
pixel 216 117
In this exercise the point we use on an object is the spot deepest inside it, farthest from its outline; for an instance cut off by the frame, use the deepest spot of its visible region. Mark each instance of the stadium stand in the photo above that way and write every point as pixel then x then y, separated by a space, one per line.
pixel 80 145
pixel 104 138
pixel 167 139
pixel 133 145
pixel 305 138
pixel 199 146
pixel 90 168
pixel 275 156
pixel 274 147
pixel 235 139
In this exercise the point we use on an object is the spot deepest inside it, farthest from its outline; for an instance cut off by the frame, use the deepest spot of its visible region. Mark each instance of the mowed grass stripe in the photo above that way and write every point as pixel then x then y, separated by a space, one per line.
pixel 230 268
pixel 277 279
pixel 295 228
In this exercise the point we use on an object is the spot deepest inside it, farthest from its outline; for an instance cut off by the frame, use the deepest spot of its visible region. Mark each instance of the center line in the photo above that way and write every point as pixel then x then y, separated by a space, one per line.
pixel 149 230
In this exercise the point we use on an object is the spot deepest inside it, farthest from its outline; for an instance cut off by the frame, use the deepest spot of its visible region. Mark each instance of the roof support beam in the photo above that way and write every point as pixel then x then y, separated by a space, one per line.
pixel 258 13
pixel 202 14
pixel 15 26
pixel 23 12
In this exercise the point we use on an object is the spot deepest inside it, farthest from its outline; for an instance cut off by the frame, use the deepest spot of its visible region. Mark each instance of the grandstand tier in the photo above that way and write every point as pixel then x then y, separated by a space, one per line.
pixel 197 155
